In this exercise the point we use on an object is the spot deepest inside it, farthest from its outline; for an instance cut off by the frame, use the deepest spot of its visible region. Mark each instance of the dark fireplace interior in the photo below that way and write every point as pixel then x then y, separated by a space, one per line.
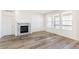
pixel 23 29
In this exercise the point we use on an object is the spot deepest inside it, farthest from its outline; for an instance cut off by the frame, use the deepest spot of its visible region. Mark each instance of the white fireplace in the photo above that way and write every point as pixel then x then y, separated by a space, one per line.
pixel 23 29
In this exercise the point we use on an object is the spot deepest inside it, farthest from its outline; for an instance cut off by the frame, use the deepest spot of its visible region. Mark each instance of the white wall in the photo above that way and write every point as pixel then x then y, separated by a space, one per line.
pixel 74 34
pixel 0 24
pixel 37 23
pixel 76 24
pixel 35 19
pixel 8 21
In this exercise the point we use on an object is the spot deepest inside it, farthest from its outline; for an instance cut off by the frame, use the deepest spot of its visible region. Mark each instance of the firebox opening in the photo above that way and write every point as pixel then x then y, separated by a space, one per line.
pixel 23 29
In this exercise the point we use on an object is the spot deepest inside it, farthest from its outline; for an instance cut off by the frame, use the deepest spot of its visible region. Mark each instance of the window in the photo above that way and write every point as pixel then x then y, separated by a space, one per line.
pixel 57 21
pixel 66 21
pixel 53 25
pixel 60 21
pixel 49 22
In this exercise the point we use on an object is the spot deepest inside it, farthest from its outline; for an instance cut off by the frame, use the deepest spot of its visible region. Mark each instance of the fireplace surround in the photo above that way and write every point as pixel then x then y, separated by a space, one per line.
pixel 23 28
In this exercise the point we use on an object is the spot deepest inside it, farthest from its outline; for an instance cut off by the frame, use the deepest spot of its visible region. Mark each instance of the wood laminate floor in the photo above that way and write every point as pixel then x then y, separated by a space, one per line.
pixel 38 40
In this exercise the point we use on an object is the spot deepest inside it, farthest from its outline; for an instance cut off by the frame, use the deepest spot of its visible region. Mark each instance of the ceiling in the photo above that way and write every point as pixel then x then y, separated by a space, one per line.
pixel 32 11
pixel 37 11
pixel 40 11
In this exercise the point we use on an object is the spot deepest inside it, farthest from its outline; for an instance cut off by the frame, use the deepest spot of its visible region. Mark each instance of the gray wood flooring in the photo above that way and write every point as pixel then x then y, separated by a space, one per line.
pixel 38 40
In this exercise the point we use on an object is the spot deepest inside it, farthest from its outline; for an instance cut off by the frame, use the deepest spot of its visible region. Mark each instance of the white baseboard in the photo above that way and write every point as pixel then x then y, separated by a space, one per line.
pixel 37 29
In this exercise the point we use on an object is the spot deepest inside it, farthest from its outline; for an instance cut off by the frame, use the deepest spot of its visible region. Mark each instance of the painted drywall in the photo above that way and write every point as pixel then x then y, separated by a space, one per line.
pixel 76 24
pixel 37 23
pixel 8 21
pixel 74 34
pixel 0 24
pixel 35 19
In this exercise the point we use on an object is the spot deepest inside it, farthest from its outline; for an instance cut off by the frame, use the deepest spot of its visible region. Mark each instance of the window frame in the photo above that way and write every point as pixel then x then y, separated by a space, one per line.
pixel 65 14
pixel 49 21
pixel 61 25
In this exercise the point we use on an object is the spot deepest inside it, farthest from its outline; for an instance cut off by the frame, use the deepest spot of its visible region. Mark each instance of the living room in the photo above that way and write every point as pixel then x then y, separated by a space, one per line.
pixel 23 23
